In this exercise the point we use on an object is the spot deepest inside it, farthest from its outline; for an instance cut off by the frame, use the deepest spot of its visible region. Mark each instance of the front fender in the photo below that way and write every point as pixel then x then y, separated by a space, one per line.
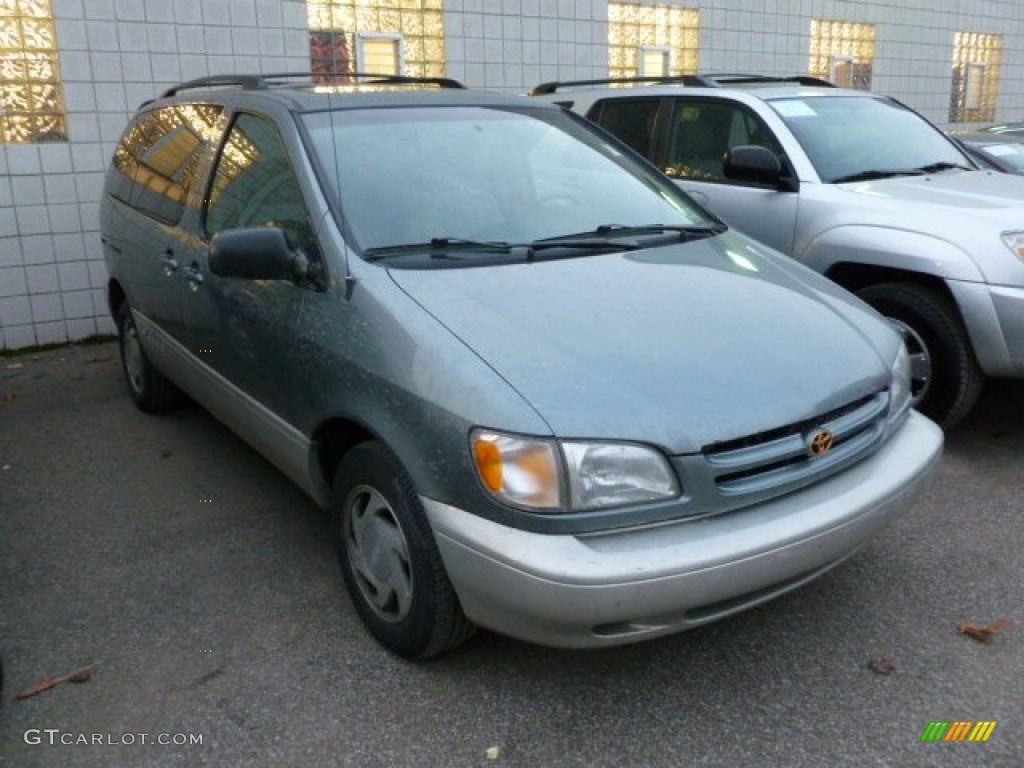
pixel 892 248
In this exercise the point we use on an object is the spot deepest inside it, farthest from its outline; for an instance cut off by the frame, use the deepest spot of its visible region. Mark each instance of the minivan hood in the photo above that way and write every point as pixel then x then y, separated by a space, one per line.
pixel 679 346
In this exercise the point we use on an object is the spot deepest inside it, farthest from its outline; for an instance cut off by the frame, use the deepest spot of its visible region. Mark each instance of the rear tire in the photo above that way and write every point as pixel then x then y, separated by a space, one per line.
pixel 945 377
pixel 389 559
pixel 150 390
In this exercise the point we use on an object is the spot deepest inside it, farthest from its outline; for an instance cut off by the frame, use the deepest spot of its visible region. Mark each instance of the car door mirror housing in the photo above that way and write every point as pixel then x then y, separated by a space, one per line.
pixel 255 253
pixel 752 163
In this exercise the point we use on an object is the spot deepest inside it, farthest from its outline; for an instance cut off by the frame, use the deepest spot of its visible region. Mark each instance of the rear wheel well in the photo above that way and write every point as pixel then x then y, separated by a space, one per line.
pixel 853 277
pixel 333 440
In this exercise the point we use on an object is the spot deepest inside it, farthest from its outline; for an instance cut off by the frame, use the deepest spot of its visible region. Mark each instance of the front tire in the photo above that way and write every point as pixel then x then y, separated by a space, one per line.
pixel 945 377
pixel 150 390
pixel 389 559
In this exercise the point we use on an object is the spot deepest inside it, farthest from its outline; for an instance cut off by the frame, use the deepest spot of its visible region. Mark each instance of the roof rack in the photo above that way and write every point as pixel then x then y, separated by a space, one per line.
pixel 729 77
pixel 263 81
pixel 547 88
pixel 703 81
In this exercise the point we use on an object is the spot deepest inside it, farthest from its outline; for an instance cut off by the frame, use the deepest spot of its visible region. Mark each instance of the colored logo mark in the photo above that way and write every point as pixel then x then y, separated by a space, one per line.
pixel 958 730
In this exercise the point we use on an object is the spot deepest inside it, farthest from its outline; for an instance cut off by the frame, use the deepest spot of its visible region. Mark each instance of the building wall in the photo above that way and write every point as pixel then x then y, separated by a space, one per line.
pixel 114 54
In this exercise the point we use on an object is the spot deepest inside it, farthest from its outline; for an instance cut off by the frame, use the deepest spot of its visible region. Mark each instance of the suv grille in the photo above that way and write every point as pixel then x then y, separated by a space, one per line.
pixel 780 460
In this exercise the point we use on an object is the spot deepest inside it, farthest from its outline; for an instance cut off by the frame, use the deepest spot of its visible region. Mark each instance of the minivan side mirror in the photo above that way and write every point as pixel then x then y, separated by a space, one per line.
pixel 753 163
pixel 256 253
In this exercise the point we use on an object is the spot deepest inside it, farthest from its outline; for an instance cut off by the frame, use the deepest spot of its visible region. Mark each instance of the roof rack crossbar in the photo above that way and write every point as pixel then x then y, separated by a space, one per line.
pixel 552 87
pixel 263 80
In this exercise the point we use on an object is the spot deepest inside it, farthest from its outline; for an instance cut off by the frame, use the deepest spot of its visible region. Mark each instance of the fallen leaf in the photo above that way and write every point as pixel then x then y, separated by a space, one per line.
pixel 493 753
pixel 43 685
pixel 10 397
pixel 882 666
pixel 986 633
pixel 78 676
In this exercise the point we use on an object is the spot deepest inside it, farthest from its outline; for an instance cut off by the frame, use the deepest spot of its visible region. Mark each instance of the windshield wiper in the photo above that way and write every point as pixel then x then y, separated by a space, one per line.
pixel 443 247
pixel 686 231
pixel 943 166
pixel 871 175
pixel 438 248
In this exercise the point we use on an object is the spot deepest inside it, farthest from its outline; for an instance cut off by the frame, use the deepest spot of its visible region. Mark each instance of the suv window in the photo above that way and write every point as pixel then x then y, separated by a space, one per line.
pixel 254 184
pixel 158 156
pixel 631 120
pixel 703 131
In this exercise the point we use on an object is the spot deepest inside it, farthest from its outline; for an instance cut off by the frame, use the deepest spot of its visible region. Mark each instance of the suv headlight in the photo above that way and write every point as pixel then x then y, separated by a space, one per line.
pixel 1015 242
pixel 899 391
pixel 570 475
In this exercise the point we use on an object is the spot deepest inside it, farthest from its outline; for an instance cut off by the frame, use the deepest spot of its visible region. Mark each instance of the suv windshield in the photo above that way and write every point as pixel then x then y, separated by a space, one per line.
pixel 480 178
pixel 852 138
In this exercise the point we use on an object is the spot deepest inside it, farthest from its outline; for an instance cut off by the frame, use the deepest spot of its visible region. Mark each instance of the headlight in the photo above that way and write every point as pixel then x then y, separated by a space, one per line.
pixel 1015 242
pixel 899 392
pixel 570 475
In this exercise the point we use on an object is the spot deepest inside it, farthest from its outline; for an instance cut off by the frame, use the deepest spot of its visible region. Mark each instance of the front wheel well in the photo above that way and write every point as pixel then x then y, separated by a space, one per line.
pixel 115 297
pixel 855 277
pixel 333 440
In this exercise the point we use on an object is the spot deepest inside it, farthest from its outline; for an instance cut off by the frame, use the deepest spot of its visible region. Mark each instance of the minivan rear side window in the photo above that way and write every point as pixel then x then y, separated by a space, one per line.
pixel 156 162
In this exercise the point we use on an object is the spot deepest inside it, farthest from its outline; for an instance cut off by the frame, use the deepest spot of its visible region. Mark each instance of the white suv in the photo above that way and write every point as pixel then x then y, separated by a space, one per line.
pixel 857 186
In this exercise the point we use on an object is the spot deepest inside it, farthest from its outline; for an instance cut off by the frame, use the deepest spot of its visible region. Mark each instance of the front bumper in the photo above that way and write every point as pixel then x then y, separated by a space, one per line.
pixel 622 586
pixel 994 316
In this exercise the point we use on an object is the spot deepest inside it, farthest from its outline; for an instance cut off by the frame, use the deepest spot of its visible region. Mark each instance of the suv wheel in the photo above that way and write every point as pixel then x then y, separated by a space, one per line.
pixel 389 559
pixel 150 390
pixel 945 377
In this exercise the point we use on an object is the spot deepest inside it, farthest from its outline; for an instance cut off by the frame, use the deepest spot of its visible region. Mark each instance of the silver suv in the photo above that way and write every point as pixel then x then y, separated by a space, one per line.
pixel 860 188
pixel 538 388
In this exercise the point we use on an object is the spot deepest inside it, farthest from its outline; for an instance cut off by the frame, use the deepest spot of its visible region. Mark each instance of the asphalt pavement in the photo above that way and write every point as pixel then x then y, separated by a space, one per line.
pixel 200 590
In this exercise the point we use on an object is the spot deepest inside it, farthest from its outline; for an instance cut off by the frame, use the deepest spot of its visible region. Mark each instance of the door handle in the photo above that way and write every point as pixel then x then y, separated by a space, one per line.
pixel 194 276
pixel 170 263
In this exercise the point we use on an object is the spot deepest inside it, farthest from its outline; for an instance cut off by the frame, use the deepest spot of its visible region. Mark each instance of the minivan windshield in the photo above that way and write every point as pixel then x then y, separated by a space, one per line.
pixel 855 138
pixel 475 178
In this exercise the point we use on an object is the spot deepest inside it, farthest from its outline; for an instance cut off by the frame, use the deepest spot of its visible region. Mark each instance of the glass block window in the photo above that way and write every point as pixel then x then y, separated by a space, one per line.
pixel 652 40
pixel 843 52
pixel 977 59
pixel 31 96
pixel 404 36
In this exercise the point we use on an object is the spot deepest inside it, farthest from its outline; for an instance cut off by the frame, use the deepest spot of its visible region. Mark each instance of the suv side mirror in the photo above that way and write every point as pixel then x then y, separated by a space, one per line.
pixel 752 163
pixel 256 253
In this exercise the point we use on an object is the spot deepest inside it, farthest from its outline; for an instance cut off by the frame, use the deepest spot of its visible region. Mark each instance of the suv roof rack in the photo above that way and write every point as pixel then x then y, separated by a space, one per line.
pixel 729 77
pixel 263 81
pixel 551 87
pixel 702 80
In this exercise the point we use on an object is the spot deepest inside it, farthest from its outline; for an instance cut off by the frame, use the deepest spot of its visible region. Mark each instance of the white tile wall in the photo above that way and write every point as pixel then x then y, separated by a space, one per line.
pixel 117 53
